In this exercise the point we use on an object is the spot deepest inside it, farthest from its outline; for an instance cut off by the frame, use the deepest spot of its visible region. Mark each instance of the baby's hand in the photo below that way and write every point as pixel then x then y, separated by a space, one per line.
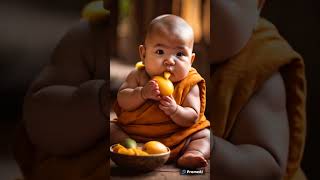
pixel 151 91
pixel 168 105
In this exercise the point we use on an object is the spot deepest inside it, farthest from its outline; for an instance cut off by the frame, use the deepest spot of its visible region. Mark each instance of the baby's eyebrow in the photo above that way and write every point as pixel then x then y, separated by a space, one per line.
pixel 182 47
pixel 165 46
pixel 160 45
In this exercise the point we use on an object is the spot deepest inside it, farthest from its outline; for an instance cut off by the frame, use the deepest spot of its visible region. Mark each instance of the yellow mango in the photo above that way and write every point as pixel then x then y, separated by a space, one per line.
pixel 155 147
pixel 165 85
pixel 95 12
pixel 117 147
pixel 139 152
pixel 126 151
pixel 139 65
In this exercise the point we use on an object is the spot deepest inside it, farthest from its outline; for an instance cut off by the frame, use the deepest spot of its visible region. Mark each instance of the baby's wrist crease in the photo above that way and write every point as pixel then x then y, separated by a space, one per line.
pixel 175 111
pixel 141 94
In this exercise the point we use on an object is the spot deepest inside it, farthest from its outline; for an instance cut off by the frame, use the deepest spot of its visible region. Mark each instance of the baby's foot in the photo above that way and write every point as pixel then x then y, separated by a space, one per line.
pixel 192 159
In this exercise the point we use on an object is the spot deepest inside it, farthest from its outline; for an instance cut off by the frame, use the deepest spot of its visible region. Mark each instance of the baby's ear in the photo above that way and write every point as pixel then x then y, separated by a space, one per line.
pixel 193 56
pixel 142 52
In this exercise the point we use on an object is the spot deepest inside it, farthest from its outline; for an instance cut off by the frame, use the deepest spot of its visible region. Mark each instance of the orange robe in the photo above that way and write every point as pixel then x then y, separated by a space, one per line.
pixel 148 122
pixel 236 81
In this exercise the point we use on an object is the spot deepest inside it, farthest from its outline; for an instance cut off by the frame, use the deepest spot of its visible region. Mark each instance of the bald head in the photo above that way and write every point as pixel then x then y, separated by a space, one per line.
pixel 171 25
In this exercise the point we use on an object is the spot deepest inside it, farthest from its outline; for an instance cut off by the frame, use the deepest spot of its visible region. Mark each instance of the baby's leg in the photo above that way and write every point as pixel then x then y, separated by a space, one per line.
pixel 197 151
pixel 116 134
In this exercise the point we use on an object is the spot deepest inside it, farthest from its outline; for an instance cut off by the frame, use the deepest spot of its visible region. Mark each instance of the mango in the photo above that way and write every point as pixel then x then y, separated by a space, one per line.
pixel 155 147
pixel 165 85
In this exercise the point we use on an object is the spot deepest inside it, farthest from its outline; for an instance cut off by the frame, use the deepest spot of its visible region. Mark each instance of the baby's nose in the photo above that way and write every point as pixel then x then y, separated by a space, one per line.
pixel 169 61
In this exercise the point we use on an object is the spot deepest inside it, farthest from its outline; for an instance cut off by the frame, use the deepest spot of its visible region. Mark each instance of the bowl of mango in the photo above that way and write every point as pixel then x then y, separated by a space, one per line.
pixel 141 157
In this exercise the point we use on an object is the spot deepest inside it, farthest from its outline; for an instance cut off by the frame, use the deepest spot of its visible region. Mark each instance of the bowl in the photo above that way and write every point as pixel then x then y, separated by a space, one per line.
pixel 139 163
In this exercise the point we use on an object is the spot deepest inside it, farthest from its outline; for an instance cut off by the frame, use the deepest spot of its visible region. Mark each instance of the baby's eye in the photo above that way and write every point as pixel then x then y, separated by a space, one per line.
pixel 159 51
pixel 179 54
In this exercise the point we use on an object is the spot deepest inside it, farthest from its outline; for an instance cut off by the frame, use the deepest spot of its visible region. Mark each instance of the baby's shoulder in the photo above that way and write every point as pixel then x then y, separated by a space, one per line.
pixel 139 76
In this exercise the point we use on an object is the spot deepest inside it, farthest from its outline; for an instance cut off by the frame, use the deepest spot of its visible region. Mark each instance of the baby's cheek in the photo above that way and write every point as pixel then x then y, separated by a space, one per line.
pixel 184 72
pixel 153 70
pixel 149 71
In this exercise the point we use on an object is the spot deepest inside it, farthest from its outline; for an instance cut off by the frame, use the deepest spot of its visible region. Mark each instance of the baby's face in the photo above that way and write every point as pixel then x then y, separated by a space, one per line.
pixel 167 51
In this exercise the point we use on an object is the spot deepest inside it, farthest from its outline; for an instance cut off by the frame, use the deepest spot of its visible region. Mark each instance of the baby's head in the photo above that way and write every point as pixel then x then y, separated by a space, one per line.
pixel 168 46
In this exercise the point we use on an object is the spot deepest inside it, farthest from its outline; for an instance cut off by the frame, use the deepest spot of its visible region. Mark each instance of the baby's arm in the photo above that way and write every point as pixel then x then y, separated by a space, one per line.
pixel 233 23
pixel 62 110
pixel 185 115
pixel 131 95
pixel 259 142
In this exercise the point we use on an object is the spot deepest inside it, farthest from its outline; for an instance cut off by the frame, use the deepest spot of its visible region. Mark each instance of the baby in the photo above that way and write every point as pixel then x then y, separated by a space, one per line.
pixel 167 47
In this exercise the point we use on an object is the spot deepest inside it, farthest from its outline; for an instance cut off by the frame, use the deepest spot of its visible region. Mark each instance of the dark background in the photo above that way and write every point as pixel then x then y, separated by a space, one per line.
pixel 29 31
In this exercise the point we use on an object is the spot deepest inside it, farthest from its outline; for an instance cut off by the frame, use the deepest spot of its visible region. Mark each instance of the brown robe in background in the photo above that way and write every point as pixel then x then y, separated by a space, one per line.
pixel 235 82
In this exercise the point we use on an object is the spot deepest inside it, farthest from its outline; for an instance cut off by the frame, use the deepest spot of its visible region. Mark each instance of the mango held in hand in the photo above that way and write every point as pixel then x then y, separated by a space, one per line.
pixel 155 147
pixel 165 85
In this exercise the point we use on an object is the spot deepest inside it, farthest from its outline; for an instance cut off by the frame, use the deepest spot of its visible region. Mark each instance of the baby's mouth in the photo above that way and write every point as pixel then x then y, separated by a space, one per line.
pixel 168 73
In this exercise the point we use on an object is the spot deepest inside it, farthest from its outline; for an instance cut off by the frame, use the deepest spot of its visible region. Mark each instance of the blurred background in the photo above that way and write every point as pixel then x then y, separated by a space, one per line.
pixel 29 31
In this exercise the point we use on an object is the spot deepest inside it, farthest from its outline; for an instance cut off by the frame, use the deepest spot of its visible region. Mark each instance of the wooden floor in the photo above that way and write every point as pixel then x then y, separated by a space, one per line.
pixel 166 172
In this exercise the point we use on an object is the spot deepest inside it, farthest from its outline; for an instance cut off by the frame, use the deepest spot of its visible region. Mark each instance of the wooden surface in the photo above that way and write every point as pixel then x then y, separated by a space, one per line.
pixel 166 172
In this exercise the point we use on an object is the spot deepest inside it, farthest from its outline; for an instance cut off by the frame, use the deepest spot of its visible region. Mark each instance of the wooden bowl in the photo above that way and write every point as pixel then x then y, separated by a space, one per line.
pixel 139 163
